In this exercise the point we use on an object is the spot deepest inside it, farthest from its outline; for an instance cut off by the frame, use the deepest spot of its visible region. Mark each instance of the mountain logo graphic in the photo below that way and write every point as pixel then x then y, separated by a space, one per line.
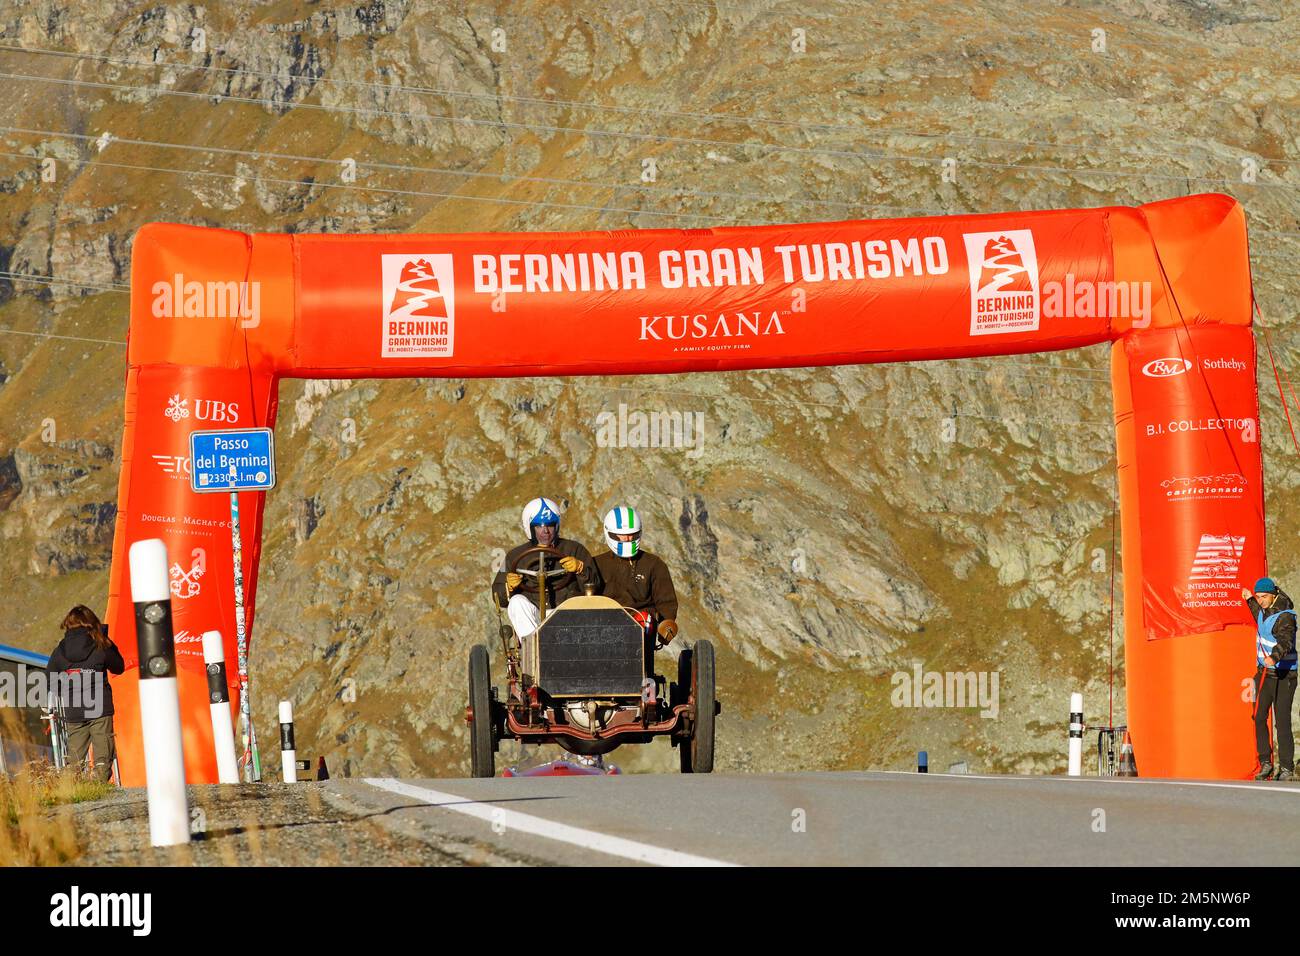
pixel 418 292
pixel 1004 268
pixel 419 298
pixel 1004 286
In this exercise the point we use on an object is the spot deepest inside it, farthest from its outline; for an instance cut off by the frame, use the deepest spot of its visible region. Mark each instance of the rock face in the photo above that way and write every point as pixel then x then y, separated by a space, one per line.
pixel 828 529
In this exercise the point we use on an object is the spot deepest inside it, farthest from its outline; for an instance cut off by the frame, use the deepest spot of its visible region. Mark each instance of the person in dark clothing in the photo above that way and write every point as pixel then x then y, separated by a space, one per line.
pixel 636 578
pixel 1275 674
pixel 79 667
pixel 541 522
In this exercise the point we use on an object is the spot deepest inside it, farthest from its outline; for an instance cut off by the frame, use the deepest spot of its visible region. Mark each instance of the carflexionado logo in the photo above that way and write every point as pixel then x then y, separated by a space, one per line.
pixel 1003 281
pixel 419 306
pixel 1223 485
pixel 1166 367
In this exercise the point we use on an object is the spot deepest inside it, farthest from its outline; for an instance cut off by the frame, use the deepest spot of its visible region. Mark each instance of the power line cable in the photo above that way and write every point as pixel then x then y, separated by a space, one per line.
pixel 498 176
pixel 95 163
pixel 647 137
pixel 434 170
pixel 705 117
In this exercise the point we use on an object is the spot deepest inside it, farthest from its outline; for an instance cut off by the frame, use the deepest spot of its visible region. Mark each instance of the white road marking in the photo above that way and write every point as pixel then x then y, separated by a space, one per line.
pixel 562 832
pixel 1124 781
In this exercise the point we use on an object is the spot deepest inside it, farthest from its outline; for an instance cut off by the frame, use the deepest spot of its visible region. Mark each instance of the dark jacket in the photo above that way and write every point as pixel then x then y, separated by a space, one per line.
pixel 77 654
pixel 1283 631
pixel 643 583
pixel 588 575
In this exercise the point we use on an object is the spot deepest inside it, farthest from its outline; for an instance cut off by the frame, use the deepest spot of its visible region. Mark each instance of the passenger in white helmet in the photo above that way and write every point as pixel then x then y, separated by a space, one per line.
pixel 634 577
pixel 518 590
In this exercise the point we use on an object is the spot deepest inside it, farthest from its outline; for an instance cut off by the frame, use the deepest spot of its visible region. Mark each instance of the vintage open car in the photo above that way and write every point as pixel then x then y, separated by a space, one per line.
pixel 585 680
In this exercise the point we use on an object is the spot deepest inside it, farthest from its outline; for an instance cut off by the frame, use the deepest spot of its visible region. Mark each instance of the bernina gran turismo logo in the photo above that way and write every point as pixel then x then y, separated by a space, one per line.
pixel 1004 294
pixel 419 306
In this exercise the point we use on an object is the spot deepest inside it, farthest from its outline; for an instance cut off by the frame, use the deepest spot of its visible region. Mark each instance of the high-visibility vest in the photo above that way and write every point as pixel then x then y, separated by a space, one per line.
pixel 1265 642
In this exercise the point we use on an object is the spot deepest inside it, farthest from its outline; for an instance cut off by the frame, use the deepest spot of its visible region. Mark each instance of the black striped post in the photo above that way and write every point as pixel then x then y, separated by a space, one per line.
pixel 288 752
pixel 223 727
pixel 160 704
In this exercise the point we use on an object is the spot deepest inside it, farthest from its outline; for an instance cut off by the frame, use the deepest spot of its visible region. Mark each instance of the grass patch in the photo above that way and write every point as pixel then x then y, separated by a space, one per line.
pixel 35 827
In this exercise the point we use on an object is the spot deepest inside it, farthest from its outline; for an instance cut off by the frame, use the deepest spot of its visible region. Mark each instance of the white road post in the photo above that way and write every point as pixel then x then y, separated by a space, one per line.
pixel 223 728
pixel 1076 734
pixel 288 754
pixel 160 704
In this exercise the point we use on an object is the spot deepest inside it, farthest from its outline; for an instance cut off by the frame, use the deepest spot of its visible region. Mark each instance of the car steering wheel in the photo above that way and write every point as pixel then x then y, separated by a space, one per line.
pixel 556 576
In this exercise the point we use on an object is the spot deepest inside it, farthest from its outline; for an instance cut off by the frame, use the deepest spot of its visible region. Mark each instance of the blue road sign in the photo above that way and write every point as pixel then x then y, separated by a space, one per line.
pixel 235 459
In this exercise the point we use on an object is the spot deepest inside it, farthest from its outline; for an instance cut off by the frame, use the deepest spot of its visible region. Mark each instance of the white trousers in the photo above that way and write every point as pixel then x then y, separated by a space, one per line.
pixel 524 616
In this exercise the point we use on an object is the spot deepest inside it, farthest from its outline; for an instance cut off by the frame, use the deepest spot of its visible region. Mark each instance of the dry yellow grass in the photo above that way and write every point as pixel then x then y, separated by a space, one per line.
pixel 36 826
pixel 34 831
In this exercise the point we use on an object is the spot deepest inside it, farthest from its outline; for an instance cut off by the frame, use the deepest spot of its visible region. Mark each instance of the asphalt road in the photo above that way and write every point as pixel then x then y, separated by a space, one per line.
pixel 799 819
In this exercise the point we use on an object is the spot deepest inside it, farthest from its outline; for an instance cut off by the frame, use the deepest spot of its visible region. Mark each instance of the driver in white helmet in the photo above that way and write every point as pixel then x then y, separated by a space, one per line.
pixel 541 522
pixel 634 577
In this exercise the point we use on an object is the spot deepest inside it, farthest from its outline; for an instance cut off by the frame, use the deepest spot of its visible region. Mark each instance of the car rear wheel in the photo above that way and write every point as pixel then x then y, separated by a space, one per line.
pixel 481 760
pixel 695 670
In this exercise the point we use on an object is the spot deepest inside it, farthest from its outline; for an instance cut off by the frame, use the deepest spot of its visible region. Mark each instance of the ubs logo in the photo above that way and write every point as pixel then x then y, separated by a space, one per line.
pixel 205 410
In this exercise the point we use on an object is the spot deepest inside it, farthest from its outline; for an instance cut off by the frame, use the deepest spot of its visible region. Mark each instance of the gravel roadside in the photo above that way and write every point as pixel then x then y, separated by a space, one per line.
pixel 268 824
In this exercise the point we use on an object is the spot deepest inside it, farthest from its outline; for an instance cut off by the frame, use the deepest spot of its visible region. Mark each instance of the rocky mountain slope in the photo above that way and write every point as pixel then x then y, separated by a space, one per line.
pixel 834 527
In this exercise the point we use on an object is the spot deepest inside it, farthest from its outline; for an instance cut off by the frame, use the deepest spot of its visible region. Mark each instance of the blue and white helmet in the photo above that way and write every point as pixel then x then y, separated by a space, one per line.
pixel 623 520
pixel 540 511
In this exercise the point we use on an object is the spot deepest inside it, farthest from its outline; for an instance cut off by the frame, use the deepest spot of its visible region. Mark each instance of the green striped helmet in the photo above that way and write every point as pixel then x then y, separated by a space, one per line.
pixel 623 521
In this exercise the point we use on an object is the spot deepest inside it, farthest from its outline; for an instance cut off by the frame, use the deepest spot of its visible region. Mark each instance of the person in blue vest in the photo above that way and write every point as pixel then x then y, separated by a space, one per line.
pixel 1275 674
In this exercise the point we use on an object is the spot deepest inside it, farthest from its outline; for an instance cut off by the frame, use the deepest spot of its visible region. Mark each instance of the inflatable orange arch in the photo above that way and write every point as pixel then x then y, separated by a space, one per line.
pixel 219 317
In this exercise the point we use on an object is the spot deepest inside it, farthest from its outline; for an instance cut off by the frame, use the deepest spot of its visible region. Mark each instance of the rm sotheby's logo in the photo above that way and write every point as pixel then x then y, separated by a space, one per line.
pixel 1166 367
pixel 1003 281
pixel 419 306
pixel 1229 364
